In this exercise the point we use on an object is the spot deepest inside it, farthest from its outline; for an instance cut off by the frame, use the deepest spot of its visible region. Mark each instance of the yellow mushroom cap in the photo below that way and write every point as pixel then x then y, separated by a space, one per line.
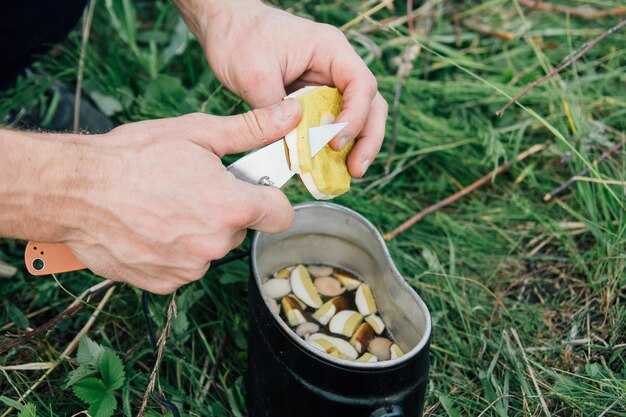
pixel 325 175
pixel 395 351
pixel 364 300
pixel 303 287
pixel 345 322
pixel 344 348
pixel 367 357
pixel 376 322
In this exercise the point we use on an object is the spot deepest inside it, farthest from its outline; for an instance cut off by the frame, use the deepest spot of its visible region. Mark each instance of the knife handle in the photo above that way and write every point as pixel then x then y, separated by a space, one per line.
pixel 50 258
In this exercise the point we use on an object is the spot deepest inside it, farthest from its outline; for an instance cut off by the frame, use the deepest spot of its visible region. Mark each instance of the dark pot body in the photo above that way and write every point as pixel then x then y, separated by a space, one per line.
pixel 287 377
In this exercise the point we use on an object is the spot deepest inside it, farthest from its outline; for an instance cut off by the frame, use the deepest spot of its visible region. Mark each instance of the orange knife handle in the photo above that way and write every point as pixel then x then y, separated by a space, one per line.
pixel 50 258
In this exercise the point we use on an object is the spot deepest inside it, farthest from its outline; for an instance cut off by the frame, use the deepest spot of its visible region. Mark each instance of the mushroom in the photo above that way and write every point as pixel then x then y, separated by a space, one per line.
pixel 396 352
pixel 328 286
pixel 275 306
pixel 365 300
pixel 343 348
pixel 376 322
pixel 293 310
pixel 307 328
pixel 380 347
pixel 277 288
pixel 320 270
pixel 303 287
pixel 362 337
pixel 347 279
pixel 345 322
pixel 367 357
pixel 282 274
pixel 330 308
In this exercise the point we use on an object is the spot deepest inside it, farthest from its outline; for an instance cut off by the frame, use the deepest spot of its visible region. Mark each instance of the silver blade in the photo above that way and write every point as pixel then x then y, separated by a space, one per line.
pixel 266 166
pixel 319 136
pixel 269 166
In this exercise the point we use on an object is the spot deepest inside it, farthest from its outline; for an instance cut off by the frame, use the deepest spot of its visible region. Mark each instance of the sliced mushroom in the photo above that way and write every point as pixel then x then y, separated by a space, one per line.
pixel 307 328
pixel 282 274
pixel 328 286
pixel 380 347
pixel 303 287
pixel 344 348
pixel 275 306
pixel 345 322
pixel 365 300
pixel 323 345
pixel 330 308
pixel 320 270
pixel 277 288
pixel 362 337
pixel 396 352
pixel 367 357
pixel 293 310
pixel 376 322
pixel 347 279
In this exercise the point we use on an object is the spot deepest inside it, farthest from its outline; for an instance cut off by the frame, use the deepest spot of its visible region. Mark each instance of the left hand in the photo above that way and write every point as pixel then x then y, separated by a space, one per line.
pixel 261 53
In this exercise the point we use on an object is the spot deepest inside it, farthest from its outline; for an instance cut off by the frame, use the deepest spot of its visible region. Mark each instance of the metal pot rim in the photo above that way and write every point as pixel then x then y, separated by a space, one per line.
pixel 335 360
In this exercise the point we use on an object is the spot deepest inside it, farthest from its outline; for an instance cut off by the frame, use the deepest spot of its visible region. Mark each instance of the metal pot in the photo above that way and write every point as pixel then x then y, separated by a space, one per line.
pixel 288 377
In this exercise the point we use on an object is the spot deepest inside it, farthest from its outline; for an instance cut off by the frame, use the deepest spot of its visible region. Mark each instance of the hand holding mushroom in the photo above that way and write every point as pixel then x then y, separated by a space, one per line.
pixel 261 53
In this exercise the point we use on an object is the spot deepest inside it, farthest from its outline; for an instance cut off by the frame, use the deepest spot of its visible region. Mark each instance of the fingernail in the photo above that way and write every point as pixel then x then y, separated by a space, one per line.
pixel 286 109
pixel 343 141
pixel 364 165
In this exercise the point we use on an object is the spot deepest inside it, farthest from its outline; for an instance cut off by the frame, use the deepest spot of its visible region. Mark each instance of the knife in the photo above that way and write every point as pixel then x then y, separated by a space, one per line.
pixel 265 166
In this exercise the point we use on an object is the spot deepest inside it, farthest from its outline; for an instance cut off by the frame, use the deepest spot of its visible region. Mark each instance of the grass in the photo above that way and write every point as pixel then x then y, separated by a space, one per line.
pixel 499 265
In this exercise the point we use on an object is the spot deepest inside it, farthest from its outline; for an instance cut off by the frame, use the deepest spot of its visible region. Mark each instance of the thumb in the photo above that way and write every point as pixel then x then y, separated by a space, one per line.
pixel 254 129
pixel 268 209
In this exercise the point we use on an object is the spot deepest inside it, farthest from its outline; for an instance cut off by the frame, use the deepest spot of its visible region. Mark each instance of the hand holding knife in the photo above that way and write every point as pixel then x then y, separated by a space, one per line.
pixel 265 166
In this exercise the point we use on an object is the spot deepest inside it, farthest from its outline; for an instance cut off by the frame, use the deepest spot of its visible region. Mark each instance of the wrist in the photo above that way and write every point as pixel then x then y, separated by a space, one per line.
pixel 44 178
pixel 203 15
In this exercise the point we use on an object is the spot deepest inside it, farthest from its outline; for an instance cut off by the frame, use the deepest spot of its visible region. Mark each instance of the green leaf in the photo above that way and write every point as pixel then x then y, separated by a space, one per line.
pixel 79 374
pixel 108 104
pixel 11 403
pixel 448 405
pixel 232 278
pixel 431 259
pixel 184 301
pixel 89 352
pixel 105 407
pixel 127 410
pixel 112 370
pixel 180 323
pixel 90 390
pixel 186 298
pixel 16 315
pixel 167 94
pixel 29 410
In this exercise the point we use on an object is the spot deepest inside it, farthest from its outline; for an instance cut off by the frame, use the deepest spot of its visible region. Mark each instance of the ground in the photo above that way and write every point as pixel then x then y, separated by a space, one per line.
pixel 528 297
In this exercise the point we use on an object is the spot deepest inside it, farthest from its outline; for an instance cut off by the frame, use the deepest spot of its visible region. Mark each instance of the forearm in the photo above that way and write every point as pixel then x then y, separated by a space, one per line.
pixel 40 177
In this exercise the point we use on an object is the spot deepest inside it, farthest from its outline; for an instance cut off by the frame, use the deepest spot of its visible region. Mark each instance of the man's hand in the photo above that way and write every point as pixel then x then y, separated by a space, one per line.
pixel 149 203
pixel 261 53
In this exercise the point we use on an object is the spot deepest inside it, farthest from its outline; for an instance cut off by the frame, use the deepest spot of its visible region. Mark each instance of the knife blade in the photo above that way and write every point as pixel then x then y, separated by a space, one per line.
pixel 269 165
pixel 266 166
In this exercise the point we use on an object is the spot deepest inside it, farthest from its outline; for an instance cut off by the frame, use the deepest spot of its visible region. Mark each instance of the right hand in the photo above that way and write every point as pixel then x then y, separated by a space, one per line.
pixel 157 205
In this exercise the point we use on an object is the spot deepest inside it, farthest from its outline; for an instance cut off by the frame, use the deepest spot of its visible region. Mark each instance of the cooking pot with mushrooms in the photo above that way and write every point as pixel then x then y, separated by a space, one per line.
pixel 299 367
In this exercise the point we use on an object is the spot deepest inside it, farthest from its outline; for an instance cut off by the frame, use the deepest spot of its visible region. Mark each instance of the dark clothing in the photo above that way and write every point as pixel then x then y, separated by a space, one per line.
pixel 29 28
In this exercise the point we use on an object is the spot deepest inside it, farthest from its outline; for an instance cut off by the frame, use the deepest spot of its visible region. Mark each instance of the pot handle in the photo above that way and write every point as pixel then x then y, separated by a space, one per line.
pixel 389 410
